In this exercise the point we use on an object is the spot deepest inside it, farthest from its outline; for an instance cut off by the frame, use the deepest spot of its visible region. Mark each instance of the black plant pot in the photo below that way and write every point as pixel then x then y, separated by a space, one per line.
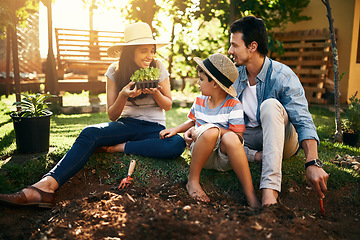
pixel 32 133
pixel 351 139
pixel 147 84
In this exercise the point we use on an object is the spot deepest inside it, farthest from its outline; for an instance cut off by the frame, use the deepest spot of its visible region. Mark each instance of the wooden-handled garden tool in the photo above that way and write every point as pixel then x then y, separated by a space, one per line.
pixel 126 181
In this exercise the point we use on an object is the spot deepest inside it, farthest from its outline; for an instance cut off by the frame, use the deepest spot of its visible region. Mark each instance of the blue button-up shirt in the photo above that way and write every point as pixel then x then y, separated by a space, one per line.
pixel 278 81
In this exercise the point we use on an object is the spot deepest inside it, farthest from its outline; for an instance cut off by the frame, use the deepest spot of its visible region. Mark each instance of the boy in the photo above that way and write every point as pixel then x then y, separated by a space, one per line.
pixel 219 125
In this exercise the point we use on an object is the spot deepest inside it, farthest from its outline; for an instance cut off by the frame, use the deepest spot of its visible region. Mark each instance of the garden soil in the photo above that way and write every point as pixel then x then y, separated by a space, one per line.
pixel 87 209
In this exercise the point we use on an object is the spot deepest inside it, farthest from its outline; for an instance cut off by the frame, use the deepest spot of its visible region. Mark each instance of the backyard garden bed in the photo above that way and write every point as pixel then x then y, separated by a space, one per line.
pixel 157 206
pixel 88 209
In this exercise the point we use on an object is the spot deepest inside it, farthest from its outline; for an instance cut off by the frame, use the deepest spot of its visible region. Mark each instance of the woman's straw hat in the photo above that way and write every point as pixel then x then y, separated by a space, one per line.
pixel 221 69
pixel 135 34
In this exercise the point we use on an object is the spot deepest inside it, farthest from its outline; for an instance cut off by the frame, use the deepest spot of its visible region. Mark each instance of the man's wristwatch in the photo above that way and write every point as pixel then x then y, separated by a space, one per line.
pixel 315 162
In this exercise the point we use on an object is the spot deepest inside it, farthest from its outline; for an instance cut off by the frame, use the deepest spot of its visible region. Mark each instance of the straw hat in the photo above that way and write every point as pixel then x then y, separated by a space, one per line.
pixel 221 69
pixel 135 34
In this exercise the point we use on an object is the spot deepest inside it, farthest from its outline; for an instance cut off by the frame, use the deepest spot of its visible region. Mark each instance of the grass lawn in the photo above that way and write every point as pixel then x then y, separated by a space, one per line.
pixel 65 128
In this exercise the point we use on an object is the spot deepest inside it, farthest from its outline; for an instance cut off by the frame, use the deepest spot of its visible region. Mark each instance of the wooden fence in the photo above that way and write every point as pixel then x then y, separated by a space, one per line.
pixel 309 54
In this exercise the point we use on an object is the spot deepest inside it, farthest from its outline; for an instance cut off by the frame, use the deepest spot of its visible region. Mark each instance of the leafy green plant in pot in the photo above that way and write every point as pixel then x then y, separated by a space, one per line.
pixel 351 122
pixel 146 77
pixel 32 123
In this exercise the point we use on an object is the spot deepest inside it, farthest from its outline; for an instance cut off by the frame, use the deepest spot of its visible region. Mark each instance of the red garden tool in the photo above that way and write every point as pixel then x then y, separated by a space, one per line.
pixel 322 209
pixel 126 181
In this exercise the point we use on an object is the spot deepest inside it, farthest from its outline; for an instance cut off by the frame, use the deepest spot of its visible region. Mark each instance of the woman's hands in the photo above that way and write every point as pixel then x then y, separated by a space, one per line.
pixel 128 92
pixel 152 90
pixel 117 100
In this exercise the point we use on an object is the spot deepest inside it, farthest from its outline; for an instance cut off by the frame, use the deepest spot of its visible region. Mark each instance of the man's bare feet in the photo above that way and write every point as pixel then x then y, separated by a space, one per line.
pixel 195 191
pixel 269 196
pixel 258 157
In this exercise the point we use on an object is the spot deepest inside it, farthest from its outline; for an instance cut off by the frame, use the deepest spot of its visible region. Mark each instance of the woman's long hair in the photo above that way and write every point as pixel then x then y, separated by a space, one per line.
pixel 127 66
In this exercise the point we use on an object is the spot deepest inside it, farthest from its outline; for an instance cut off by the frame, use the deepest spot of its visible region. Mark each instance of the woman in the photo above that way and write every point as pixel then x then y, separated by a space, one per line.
pixel 137 118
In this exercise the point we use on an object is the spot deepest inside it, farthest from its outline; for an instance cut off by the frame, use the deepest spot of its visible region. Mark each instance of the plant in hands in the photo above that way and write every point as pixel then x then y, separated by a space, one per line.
pixel 145 74
pixel 146 77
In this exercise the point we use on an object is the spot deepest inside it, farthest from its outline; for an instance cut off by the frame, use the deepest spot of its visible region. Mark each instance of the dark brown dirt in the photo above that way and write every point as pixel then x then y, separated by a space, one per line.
pixel 87 209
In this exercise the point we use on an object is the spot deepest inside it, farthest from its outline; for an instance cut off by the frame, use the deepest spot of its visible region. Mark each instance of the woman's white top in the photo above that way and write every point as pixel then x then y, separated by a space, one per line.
pixel 145 108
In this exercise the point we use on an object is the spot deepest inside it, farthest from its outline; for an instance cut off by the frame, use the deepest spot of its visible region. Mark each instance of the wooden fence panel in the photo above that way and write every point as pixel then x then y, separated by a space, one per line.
pixel 309 54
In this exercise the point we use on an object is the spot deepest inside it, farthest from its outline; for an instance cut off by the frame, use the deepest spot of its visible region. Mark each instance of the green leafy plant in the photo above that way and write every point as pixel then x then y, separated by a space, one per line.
pixel 33 105
pixel 145 74
pixel 351 123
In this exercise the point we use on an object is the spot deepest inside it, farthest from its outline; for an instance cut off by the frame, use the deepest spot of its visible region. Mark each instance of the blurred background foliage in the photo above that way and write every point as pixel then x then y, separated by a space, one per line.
pixel 200 27
pixel 196 27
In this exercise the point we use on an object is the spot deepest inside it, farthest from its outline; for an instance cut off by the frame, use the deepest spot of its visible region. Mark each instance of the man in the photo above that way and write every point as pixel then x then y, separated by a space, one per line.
pixel 277 118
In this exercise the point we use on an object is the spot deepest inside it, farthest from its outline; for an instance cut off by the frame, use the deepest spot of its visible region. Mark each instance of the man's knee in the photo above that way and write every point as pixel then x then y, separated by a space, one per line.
pixel 269 106
pixel 271 109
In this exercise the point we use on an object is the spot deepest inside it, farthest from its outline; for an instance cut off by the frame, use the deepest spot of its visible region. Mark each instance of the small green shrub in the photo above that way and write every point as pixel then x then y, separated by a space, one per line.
pixel 351 122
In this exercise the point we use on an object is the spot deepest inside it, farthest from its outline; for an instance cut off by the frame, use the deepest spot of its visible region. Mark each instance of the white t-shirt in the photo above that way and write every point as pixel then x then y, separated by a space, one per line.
pixel 146 108
pixel 250 104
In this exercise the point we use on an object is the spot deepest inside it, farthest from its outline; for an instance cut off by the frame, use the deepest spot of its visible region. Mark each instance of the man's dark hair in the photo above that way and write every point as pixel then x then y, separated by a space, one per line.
pixel 253 29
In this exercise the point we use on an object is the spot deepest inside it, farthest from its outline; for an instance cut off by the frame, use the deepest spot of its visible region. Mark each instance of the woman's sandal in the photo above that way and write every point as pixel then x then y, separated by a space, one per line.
pixel 47 200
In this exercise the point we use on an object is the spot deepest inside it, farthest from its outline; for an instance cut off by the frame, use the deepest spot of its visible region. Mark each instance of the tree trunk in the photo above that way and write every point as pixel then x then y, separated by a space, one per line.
pixel 8 56
pixel 338 131
pixel 171 57
pixel 14 45
pixel 150 12
pixel 51 81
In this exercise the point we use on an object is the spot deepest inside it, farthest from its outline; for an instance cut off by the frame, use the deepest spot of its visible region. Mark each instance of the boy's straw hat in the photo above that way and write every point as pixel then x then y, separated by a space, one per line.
pixel 221 69
pixel 135 34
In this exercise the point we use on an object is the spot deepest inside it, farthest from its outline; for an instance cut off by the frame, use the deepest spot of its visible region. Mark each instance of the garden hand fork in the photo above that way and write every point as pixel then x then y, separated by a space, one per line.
pixel 126 181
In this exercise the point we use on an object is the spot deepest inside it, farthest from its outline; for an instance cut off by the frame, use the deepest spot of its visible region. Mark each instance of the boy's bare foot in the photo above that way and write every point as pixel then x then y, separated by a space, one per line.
pixel 269 196
pixel 254 203
pixel 195 191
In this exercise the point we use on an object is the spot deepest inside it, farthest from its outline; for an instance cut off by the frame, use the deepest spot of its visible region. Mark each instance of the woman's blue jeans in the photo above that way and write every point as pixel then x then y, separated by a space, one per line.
pixel 141 137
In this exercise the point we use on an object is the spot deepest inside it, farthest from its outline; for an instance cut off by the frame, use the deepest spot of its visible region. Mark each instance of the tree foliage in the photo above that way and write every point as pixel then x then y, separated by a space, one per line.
pixel 21 8
pixel 200 27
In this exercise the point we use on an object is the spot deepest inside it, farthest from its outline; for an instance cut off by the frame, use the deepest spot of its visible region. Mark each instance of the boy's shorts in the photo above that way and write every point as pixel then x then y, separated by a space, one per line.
pixel 217 160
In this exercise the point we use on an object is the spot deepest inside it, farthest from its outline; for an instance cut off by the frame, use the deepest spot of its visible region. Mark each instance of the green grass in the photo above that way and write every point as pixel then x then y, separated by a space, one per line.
pixel 111 168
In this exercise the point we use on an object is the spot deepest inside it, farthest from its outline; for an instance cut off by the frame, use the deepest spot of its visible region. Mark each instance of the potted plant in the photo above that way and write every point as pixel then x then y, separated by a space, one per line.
pixel 351 123
pixel 32 123
pixel 146 77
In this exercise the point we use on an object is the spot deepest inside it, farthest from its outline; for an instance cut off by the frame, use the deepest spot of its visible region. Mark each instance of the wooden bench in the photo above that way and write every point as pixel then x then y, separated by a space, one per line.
pixel 84 52
pixel 309 54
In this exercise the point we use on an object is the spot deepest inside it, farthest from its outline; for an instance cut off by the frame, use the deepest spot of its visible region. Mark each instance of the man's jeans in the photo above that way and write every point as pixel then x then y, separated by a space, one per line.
pixel 141 137
pixel 277 139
